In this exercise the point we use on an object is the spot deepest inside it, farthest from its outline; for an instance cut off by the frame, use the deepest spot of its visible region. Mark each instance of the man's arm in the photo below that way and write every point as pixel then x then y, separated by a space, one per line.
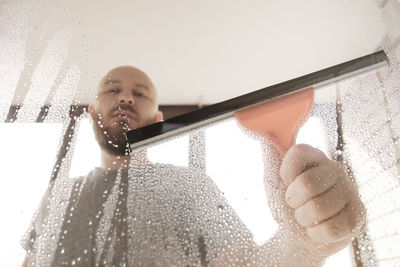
pixel 28 261
pixel 280 250
pixel 317 207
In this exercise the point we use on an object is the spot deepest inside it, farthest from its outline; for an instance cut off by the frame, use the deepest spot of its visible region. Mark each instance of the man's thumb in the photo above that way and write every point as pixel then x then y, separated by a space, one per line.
pixel 275 189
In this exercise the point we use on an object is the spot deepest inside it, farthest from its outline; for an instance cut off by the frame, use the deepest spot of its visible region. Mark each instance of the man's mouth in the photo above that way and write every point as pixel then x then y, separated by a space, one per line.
pixel 123 114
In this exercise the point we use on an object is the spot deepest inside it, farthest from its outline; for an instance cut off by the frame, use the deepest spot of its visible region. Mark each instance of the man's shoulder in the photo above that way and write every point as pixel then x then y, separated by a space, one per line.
pixel 78 179
pixel 92 176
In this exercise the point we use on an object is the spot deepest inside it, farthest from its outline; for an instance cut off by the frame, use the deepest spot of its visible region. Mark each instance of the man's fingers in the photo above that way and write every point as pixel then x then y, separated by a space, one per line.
pixel 298 159
pixel 322 207
pixel 311 183
pixel 336 228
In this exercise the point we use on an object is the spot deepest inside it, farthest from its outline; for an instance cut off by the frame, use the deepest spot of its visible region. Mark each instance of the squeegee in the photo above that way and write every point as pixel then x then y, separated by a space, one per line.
pixel 276 111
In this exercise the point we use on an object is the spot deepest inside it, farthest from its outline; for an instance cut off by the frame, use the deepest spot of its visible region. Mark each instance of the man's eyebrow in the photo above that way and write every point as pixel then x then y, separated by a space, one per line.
pixel 111 82
pixel 142 85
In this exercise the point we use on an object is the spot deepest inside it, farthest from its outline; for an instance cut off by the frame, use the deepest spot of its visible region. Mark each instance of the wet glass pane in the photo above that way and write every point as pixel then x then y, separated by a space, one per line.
pixel 211 196
pixel 22 188
pixel 86 145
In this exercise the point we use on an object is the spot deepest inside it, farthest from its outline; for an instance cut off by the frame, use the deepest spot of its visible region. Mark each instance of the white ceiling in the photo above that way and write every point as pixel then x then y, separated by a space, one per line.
pixel 196 52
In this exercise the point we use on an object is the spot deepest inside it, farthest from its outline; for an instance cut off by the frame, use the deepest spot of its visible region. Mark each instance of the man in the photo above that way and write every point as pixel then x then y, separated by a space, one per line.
pixel 130 212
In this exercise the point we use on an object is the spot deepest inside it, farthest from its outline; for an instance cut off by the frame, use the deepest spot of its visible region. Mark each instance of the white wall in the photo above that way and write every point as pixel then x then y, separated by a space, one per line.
pixel 204 51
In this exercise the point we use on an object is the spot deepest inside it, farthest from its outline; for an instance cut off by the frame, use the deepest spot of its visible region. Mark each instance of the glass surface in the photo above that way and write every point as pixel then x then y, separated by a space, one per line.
pixel 23 187
pixel 206 196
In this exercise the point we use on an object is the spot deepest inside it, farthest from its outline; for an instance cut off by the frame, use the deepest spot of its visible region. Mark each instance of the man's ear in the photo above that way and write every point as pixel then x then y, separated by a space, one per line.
pixel 91 111
pixel 160 116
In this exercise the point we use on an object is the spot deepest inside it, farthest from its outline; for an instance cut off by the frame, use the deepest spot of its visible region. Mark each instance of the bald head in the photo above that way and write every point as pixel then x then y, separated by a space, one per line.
pixel 128 73
pixel 126 100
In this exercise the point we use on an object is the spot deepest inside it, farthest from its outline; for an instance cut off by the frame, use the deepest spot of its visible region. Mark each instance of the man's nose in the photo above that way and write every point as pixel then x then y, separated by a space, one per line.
pixel 126 99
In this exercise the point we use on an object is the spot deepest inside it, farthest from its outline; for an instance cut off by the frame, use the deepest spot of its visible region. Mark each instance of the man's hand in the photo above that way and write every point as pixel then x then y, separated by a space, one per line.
pixel 321 200
pixel 315 204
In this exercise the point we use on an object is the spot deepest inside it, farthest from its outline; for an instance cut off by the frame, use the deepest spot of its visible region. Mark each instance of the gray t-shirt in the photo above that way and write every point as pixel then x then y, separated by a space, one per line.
pixel 150 215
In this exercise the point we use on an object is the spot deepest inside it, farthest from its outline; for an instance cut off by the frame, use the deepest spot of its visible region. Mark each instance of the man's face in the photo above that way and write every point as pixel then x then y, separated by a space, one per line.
pixel 126 100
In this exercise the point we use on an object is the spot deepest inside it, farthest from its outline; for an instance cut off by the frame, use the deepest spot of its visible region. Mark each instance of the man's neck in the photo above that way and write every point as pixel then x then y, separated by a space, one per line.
pixel 114 162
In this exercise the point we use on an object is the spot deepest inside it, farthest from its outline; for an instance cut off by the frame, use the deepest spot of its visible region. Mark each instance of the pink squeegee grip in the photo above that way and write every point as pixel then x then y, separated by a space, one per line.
pixel 279 119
